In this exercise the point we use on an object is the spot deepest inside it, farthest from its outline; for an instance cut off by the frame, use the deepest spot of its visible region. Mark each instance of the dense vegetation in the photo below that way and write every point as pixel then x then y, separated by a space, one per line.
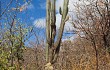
pixel 89 50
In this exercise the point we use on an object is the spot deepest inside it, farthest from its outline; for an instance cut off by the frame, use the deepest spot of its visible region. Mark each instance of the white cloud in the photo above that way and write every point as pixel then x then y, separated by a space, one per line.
pixel 41 23
pixel 72 3
pixel 70 38
pixel 59 3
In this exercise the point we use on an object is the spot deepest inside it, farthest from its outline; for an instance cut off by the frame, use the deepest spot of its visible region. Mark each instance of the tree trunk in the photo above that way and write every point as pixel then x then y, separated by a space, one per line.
pixel 96 54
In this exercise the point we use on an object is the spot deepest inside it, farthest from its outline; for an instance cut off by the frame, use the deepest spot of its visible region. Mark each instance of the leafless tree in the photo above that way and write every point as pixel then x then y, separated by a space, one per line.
pixel 93 23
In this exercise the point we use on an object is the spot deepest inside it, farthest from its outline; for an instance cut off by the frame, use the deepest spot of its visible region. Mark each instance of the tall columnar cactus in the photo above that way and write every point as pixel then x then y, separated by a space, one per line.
pixel 52 46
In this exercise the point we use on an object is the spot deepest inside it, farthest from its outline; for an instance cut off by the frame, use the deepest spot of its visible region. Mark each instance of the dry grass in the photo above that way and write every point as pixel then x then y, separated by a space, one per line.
pixel 73 56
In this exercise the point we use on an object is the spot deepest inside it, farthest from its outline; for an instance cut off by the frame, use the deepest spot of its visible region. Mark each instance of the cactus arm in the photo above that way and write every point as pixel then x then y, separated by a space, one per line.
pixel 64 15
